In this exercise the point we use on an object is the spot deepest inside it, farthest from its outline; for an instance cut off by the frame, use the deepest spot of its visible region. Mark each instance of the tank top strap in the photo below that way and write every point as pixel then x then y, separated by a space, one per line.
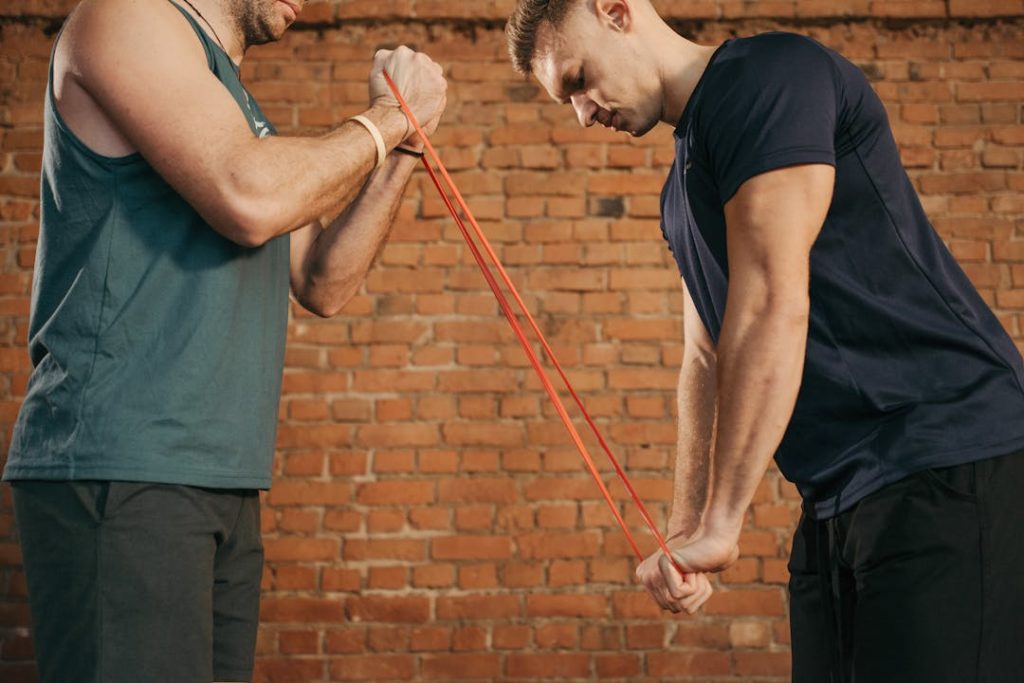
pixel 208 45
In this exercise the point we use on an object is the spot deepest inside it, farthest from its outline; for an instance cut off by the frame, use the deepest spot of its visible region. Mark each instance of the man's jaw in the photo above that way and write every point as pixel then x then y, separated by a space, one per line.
pixel 617 122
pixel 611 119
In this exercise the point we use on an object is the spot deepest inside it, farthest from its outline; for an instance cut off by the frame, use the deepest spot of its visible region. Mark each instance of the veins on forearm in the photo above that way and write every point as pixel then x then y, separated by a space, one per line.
pixel 698 412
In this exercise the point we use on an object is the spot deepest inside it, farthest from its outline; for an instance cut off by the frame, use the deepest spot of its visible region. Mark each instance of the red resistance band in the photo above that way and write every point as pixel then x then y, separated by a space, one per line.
pixel 510 315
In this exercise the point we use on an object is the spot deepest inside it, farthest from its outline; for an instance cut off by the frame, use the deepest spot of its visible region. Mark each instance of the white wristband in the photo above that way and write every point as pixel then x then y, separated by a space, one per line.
pixel 382 150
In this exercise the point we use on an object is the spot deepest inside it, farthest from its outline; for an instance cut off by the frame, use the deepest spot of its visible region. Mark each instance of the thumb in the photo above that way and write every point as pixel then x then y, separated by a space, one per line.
pixel 673 566
pixel 692 560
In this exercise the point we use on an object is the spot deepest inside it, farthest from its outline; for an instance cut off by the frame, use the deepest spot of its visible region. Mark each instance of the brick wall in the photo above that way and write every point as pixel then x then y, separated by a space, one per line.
pixel 429 517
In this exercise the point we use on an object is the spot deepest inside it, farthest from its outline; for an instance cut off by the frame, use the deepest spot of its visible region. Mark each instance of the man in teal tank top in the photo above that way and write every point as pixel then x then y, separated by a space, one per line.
pixel 173 223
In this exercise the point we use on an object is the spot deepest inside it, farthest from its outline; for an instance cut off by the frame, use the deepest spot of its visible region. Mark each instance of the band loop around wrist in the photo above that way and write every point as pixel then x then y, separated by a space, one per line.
pixel 406 149
pixel 378 139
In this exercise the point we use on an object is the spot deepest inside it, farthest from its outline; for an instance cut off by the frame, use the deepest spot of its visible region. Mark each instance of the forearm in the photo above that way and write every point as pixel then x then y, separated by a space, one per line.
pixel 281 184
pixel 697 398
pixel 760 365
pixel 342 254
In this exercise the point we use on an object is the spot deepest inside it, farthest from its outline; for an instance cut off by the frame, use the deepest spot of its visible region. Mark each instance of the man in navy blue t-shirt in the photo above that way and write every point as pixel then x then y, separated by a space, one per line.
pixel 826 325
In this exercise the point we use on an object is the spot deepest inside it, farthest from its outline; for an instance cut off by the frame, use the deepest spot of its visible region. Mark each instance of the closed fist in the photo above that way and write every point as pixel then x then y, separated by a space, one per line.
pixel 420 80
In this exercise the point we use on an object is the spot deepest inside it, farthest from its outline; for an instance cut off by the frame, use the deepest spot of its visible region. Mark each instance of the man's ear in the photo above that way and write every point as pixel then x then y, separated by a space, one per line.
pixel 615 14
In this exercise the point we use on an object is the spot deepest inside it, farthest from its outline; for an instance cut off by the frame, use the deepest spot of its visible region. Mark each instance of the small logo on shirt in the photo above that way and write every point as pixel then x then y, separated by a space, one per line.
pixel 262 128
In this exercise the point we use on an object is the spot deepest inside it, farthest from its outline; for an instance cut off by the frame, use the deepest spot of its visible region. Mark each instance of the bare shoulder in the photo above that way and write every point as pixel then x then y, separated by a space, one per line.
pixel 103 30
pixel 95 59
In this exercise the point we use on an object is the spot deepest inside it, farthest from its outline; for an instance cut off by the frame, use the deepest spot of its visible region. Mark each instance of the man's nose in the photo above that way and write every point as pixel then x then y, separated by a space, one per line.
pixel 586 110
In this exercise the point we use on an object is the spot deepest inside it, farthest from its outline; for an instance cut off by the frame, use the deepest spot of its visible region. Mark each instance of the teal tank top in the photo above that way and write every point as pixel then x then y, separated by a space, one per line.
pixel 157 345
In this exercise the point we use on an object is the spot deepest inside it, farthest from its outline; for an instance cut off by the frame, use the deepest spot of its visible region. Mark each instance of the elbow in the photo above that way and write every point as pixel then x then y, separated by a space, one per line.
pixel 794 311
pixel 249 203
pixel 249 238
pixel 250 222
pixel 783 318
pixel 251 212
pixel 769 313
pixel 319 312
pixel 319 306
pixel 322 309
pixel 323 301
pixel 777 302
pixel 703 356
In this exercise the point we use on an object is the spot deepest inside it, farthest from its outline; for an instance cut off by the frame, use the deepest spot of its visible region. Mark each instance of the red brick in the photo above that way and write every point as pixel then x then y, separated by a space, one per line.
pixel 298 642
pixel 461 667
pixel 548 545
pixel 561 489
pixel 476 434
pixel 557 636
pixel 645 636
pixel 433 576
pixel 384 548
pixel 396 492
pixel 314 436
pixel 510 637
pixel 677 664
pixel 524 575
pixel 471 548
pixel 407 609
pixel 750 634
pixel 582 606
pixel 746 602
pixel 493 606
pixel 373 668
pixel 478 576
pixel 762 663
pixel 299 610
pixel 282 670
pixel 386 578
pixel 300 549
pixel 304 464
pixel 497 490
pixel 391 435
pixel 542 666
pixel 336 579
pixel 617 666
pixel 309 493
pixel 430 638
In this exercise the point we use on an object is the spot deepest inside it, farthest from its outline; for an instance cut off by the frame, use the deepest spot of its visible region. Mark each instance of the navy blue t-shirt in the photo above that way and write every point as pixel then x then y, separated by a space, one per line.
pixel 906 367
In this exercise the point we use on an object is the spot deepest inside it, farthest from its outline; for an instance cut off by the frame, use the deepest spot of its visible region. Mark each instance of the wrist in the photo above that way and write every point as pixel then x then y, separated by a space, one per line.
pixel 680 526
pixel 391 120
pixel 722 520
pixel 407 150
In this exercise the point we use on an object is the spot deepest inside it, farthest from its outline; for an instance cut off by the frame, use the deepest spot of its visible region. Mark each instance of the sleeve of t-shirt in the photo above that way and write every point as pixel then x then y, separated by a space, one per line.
pixel 772 105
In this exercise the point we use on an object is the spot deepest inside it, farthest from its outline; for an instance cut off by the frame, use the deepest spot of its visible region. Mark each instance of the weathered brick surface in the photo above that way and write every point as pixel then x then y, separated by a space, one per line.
pixel 429 518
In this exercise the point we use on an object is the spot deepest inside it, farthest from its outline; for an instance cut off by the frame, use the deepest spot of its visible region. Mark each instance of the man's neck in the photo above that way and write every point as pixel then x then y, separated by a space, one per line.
pixel 683 63
pixel 216 20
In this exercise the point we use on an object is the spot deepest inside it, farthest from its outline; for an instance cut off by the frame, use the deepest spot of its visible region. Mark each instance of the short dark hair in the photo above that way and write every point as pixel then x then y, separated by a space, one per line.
pixel 521 29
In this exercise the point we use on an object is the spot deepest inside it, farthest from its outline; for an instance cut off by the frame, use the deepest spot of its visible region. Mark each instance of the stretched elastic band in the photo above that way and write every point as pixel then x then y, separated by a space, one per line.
pixel 528 348
pixel 382 150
